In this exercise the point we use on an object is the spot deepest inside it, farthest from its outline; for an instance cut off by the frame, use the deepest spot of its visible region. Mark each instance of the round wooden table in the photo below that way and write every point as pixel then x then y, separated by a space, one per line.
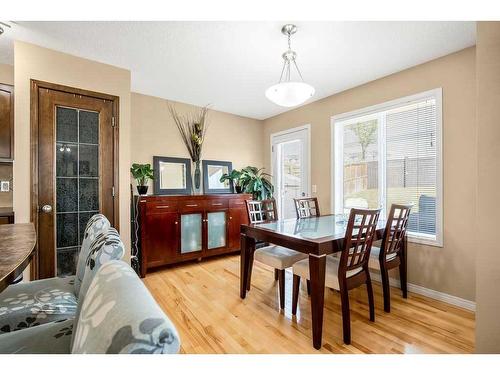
pixel 17 246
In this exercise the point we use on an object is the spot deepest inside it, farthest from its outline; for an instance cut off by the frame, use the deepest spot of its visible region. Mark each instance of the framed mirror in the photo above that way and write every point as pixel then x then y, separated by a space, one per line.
pixel 212 172
pixel 171 175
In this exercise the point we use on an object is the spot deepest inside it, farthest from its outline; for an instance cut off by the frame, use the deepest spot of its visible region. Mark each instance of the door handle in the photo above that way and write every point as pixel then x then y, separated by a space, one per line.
pixel 47 209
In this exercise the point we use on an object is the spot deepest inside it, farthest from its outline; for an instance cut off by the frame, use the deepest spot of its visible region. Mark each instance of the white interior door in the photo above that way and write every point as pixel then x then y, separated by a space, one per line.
pixel 290 161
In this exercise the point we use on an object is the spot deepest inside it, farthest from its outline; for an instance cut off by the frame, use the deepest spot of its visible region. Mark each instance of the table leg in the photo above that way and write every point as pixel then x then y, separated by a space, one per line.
pixel 247 245
pixel 317 275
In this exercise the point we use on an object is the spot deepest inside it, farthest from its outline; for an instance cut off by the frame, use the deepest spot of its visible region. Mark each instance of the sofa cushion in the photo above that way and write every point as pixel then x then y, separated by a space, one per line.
pixel 119 315
pixel 50 338
pixel 30 304
pixel 106 246
pixel 96 225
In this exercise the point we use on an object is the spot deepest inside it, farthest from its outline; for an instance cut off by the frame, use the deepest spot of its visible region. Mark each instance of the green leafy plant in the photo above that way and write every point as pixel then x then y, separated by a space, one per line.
pixel 256 182
pixel 233 176
pixel 142 173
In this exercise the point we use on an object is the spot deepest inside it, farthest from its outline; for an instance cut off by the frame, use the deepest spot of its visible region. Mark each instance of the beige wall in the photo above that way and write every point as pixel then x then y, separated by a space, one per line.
pixel 449 269
pixel 6 74
pixel 33 62
pixel 229 137
pixel 488 205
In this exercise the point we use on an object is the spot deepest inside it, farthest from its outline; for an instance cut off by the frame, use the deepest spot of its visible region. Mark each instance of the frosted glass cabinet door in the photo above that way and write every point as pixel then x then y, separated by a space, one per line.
pixel 191 229
pixel 216 229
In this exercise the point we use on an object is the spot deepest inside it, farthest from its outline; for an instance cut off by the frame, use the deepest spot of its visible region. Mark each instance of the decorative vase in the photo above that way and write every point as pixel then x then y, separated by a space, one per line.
pixel 197 178
pixel 238 189
pixel 142 190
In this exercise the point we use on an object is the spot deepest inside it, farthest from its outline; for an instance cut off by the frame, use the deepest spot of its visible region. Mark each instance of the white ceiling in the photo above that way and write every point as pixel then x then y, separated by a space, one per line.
pixel 231 64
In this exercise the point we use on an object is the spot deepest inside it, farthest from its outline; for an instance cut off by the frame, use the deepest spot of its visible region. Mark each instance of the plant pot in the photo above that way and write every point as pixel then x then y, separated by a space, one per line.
pixel 238 189
pixel 142 190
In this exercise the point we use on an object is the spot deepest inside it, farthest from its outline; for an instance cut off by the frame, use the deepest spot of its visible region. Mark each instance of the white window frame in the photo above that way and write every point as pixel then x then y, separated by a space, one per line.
pixel 337 155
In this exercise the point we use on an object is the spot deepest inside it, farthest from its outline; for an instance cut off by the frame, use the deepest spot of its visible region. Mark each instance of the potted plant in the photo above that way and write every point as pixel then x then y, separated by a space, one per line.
pixel 254 181
pixel 234 176
pixel 142 174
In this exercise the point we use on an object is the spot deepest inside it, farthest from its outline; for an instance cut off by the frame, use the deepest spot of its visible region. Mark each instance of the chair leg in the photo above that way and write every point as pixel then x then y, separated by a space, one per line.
pixel 295 293
pixel 276 274
pixel 346 314
pixel 281 281
pixel 386 288
pixel 369 289
pixel 403 277
pixel 308 285
pixel 250 271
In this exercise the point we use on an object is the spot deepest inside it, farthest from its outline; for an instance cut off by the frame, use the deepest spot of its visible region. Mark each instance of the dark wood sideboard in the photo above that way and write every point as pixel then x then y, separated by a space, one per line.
pixel 174 229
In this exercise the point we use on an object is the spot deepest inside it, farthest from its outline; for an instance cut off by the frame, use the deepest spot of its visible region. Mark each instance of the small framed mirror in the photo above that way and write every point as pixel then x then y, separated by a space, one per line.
pixel 172 175
pixel 212 172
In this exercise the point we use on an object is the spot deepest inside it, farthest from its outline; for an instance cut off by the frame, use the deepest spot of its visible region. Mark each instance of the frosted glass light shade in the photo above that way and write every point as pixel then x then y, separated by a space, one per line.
pixel 289 94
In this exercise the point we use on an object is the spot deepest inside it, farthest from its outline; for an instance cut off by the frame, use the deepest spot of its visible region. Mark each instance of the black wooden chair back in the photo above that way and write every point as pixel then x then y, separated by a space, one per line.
pixel 306 207
pixel 360 233
pixel 395 230
pixel 261 211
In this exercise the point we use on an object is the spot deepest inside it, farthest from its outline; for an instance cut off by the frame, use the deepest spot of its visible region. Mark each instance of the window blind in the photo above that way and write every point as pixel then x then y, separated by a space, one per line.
pixel 391 155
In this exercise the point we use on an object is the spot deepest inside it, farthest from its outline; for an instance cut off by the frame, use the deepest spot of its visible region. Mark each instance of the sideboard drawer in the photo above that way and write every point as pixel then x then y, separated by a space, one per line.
pixel 236 203
pixel 192 205
pixel 216 204
pixel 161 206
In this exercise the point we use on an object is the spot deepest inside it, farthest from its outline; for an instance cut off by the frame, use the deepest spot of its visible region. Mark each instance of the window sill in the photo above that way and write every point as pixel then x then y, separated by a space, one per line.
pixel 424 240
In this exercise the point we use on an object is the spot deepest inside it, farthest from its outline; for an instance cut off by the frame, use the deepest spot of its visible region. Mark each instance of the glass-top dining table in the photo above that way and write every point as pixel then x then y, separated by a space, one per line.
pixel 315 236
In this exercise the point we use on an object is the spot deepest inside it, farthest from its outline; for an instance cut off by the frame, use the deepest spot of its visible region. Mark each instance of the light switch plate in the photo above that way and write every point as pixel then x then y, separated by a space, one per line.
pixel 4 186
pixel 314 189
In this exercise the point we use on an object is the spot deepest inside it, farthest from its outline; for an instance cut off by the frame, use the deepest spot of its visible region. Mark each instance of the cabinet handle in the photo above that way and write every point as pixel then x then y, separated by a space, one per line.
pixel 216 204
pixel 176 223
pixel 162 206
pixel 230 218
pixel 191 205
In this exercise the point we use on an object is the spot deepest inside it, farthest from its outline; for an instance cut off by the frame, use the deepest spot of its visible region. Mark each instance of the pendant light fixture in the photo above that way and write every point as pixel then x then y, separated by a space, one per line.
pixel 288 92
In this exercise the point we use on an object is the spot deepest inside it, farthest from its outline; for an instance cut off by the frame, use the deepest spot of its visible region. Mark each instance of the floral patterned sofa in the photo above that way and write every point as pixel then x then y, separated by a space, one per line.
pixel 30 304
pixel 116 315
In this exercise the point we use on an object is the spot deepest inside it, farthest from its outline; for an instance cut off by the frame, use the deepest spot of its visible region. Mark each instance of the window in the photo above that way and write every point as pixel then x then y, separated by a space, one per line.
pixel 391 153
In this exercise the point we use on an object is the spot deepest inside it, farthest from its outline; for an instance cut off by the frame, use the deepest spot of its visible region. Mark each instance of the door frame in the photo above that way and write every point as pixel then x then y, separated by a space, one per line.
pixel 307 128
pixel 35 85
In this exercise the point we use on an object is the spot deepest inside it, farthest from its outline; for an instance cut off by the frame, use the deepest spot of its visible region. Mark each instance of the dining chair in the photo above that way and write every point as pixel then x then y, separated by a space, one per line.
pixel 350 270
pixel 278 257
pixel 306 207
pixel 390 254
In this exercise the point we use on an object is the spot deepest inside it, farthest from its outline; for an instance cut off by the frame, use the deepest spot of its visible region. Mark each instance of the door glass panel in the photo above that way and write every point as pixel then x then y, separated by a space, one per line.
pixel 216 229
pixel 66 124
pixel 191 233
pixel 77 182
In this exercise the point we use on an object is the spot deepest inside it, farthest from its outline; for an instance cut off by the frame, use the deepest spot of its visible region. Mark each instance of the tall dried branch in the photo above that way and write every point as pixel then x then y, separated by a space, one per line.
pixel 193 128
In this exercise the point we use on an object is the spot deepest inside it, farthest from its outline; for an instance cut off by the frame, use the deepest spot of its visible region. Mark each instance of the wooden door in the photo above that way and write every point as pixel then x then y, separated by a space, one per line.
pixel 76 172
pixel 6 122
pixel 162 237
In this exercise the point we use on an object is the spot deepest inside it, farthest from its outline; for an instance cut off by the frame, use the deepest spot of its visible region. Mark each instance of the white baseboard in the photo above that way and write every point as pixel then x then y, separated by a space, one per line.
pixel 434 294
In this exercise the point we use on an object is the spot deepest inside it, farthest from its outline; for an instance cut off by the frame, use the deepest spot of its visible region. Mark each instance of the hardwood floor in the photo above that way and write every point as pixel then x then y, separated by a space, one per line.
pixel 202 299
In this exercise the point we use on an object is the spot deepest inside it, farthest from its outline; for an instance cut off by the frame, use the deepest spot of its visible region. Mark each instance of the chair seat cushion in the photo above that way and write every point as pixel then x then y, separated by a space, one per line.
pixel 278 257
pixel 374 262
pixel 30 304
pixel 50 338
pixel 331 274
